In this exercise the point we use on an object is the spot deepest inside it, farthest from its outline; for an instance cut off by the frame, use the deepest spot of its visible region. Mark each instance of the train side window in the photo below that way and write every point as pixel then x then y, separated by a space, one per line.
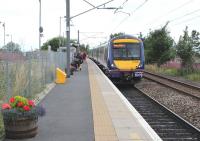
pixel 106 53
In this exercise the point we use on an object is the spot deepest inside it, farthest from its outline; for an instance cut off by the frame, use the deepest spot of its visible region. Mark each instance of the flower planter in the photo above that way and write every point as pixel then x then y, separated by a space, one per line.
pixel 20 118
pixel 21 127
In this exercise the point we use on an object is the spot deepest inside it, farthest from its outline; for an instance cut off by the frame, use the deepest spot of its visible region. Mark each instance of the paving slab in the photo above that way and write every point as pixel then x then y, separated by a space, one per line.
pixel 68 111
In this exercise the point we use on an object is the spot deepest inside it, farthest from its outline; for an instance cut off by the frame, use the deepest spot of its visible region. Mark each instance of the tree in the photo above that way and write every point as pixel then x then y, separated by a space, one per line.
pixel 196 41
pixel 116 34
pixel 159 46
pixel 55 43
pixel 141 36
pixel 185 50
pixel 84 48
pixel 12 47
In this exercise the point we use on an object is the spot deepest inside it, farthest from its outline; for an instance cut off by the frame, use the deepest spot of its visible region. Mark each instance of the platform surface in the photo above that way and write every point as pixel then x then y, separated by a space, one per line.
pixel 88 107
pixel 119 120
pixel 68 111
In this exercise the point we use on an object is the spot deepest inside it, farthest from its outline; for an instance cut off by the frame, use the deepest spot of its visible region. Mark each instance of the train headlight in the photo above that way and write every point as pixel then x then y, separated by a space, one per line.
pixel 139 66
pixel 113 66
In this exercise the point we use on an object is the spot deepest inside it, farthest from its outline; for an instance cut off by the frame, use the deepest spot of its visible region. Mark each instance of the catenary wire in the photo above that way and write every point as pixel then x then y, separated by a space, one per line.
pixel 171 11
pixel 126 18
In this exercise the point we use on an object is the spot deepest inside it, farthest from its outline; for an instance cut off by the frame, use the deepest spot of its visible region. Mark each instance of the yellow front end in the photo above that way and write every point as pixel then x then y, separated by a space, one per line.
pixel 126 65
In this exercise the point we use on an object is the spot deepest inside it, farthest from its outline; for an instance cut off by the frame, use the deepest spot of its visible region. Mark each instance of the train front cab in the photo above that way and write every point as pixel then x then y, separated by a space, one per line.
pixel 125 59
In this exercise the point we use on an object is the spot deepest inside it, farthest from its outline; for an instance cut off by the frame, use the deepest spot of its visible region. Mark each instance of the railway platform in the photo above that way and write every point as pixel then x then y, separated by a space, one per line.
pixel 88 107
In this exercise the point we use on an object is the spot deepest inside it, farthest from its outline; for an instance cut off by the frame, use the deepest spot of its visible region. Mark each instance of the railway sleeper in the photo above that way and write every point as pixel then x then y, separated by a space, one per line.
pixel 177 135
pixel 155 117
pixel 178 139
pixel 160 120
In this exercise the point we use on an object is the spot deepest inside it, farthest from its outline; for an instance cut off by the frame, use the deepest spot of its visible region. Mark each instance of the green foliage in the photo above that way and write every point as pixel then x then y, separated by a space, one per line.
pixel 185 51
pixel 84 48
pixel 1 127
pixel 162 70
pixel 21 99
pixel 116 34
pixel 57 42
pixel 12 47
pixel 158 47
pixel 13 114
pixel 196 41
pixel 141 36
pixel 54 43
pixel 193 76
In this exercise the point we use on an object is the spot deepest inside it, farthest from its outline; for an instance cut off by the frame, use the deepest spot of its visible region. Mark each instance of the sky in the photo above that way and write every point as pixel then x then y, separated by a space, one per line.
pixel 21 18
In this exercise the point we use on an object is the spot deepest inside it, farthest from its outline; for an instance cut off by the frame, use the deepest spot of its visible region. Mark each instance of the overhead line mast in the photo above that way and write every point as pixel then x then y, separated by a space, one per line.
pixel 68 19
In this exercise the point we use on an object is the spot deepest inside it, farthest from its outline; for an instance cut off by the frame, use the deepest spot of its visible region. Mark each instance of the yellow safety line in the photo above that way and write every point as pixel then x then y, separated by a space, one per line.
pixel 103 127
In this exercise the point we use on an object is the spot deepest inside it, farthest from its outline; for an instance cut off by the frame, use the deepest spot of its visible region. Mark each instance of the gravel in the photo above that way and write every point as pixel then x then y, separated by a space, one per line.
pixel 185 106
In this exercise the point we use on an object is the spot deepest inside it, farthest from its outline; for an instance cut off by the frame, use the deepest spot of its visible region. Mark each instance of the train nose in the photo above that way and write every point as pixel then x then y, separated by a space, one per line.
pixel 127 64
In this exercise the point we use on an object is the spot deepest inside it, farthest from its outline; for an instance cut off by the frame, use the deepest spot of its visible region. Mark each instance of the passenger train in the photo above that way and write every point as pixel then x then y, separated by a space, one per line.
pixel 121 58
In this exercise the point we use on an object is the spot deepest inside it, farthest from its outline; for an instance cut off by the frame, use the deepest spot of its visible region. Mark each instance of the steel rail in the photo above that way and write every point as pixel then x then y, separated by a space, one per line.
pixel 189 87
pixel 176 116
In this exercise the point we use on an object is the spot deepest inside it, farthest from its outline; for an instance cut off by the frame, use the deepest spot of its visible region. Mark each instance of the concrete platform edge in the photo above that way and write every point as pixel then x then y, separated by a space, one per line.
pixel 134 112
pixel 40 96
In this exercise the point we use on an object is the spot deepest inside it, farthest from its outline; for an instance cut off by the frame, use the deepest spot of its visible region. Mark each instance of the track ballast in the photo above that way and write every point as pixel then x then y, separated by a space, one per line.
pixel 166 124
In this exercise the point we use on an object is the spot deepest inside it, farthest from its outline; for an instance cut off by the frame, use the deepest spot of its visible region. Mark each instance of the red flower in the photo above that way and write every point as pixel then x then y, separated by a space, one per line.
pixel 12 99
pixel 26 108
pixel 6 106
pixel 31 103
pixel 20 104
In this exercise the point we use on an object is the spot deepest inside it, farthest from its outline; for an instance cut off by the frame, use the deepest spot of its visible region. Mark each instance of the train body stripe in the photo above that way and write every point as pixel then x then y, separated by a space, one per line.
pixel 127 64
pixel 126 41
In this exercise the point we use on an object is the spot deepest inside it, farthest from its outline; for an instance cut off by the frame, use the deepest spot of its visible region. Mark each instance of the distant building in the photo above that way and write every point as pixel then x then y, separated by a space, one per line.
pixel 72 52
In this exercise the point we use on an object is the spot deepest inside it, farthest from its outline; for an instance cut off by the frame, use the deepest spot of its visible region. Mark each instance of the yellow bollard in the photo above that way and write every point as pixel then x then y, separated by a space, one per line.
pixel 60 76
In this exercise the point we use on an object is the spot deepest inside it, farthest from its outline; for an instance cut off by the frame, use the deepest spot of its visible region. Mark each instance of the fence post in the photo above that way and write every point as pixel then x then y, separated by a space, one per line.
pixel 29 74
pixel 45 71
pixel 8 91
pixel 42 67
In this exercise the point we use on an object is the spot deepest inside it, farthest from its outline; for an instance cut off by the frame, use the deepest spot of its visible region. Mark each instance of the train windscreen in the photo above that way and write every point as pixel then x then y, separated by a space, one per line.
pixel 126 51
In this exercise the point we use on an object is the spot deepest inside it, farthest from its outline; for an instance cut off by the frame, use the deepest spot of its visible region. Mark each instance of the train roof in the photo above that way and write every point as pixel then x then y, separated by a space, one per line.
pixel 125 37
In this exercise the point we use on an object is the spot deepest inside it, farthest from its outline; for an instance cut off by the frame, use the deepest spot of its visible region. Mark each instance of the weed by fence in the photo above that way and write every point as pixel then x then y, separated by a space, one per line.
pixel 28 73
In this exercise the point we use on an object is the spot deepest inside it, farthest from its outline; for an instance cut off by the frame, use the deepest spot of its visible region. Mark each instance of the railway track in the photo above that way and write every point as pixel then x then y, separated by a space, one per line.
pixel 180 86
pixel 168 125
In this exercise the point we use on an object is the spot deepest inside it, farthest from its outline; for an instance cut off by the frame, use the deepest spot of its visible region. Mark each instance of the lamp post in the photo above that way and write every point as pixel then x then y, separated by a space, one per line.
pixel 60 30
pixel 68 36
pixel 60 24
pixel 68 18
pixel 40 27
pixel 78 47
pixel 4 32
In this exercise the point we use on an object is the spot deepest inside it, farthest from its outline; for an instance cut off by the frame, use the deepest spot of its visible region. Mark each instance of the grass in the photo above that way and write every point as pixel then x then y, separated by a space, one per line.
pixel 194 76
pixel 1 127
pixel 19 74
